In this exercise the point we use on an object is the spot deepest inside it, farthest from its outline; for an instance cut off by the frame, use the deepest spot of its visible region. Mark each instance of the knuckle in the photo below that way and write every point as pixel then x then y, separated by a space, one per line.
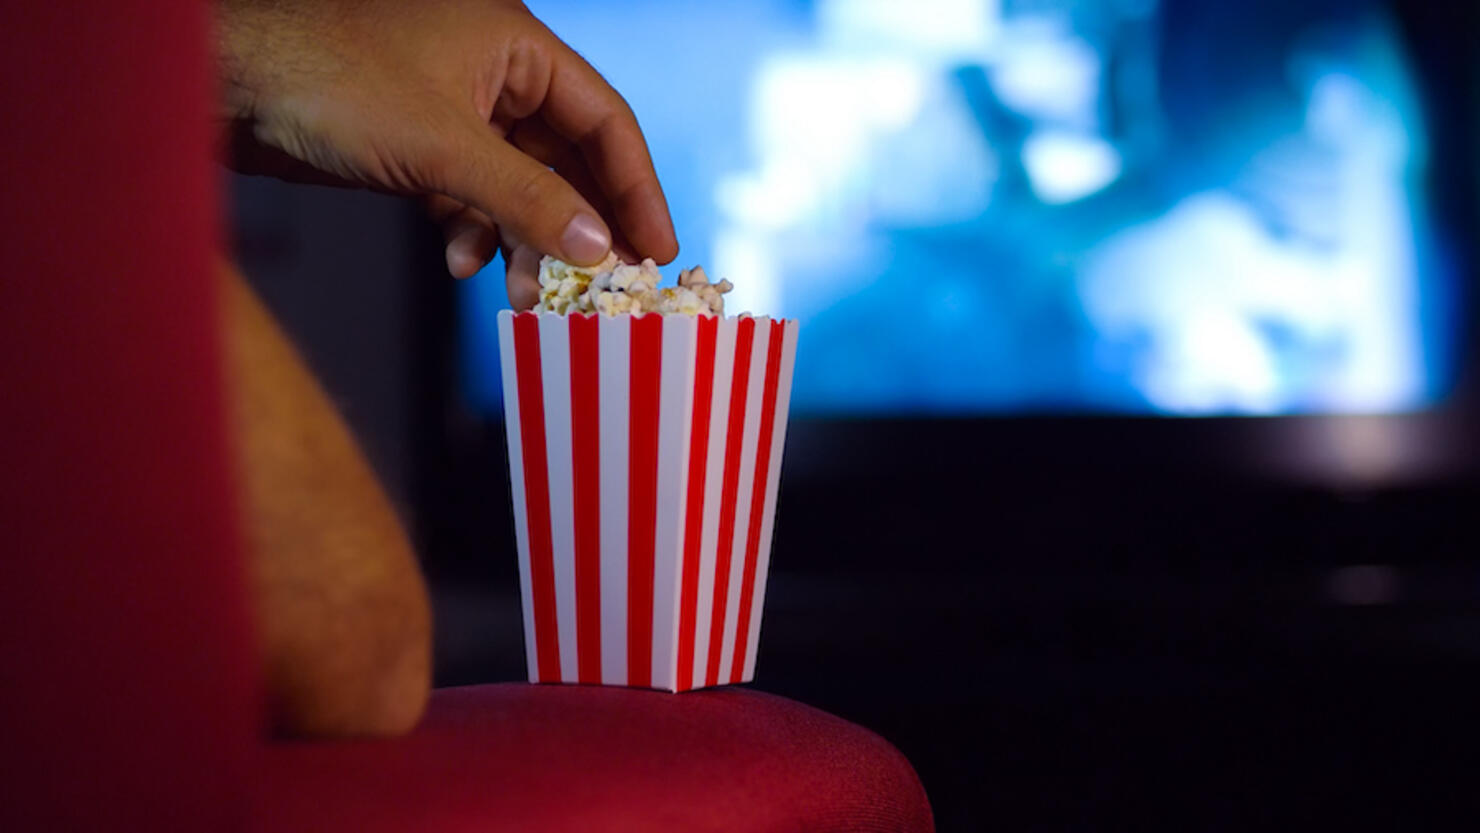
pixel 434 168
pixel 436 151
pixel 531 190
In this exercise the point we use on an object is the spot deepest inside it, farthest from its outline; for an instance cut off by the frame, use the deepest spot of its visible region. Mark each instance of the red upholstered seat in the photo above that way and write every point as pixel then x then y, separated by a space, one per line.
pixel 579 758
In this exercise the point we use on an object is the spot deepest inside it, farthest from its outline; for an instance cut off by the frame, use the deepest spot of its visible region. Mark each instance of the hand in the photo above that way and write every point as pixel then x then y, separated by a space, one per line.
pixel 513 139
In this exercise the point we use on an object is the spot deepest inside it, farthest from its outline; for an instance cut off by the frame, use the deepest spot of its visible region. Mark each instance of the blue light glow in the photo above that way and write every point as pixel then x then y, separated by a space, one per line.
pixel 1078 206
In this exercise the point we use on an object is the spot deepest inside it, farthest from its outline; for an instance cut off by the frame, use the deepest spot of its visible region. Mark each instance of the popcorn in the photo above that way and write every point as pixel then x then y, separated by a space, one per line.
pixel 613 288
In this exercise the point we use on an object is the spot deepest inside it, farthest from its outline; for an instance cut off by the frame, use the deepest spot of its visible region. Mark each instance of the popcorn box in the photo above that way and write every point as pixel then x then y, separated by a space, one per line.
pixel 644 455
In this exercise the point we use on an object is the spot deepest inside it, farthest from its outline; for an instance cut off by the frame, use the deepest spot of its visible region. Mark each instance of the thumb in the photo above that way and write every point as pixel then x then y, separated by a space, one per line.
pixel 522 196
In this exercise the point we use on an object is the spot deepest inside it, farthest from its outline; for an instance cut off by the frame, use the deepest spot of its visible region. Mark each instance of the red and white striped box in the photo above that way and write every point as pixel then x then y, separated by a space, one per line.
pixel 644 455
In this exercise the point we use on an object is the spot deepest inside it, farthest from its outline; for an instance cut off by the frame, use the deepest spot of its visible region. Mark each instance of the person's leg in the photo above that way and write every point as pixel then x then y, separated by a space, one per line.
pixel 343 618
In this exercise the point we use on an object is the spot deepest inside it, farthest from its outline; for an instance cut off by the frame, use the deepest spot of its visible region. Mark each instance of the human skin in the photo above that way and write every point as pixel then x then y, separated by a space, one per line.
pixel 343 619
pixel 513 140
pixel 514 143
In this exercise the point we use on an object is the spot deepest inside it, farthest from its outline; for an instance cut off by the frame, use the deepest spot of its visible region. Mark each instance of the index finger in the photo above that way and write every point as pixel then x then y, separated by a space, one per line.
pixel 581 106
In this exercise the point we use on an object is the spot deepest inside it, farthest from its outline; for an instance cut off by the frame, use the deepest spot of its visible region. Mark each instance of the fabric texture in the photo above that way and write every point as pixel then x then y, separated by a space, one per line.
pixel 520 757
pixel 126 701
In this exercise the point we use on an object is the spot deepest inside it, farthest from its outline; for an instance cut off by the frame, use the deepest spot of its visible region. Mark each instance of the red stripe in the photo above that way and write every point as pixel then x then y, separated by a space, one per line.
pixel 642 493
pixel 585 455
pixel 758 499
pixel 537 495
pixel 694 521
pixel 744 335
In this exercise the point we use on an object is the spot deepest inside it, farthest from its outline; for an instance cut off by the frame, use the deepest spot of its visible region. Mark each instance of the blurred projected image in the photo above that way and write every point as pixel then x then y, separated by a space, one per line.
pixel 982 206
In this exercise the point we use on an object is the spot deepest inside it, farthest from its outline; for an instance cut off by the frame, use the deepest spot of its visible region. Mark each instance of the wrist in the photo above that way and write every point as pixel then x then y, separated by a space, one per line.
pixel 236 41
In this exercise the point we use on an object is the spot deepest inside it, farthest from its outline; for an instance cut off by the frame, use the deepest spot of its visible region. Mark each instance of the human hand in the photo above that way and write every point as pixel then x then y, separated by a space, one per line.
pixel 511 137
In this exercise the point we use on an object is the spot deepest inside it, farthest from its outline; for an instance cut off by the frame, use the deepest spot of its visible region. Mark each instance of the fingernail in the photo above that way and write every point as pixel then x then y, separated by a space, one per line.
pixel 585 240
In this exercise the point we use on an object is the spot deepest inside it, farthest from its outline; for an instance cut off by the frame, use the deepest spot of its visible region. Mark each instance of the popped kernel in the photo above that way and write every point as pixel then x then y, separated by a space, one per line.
pixel 612 288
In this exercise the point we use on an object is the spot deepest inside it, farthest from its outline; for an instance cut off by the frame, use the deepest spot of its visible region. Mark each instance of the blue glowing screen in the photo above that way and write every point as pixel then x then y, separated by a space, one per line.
pixel 986 206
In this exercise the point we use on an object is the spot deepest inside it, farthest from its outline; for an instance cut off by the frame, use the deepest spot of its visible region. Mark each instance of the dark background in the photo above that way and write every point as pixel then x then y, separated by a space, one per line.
pixel 1064 622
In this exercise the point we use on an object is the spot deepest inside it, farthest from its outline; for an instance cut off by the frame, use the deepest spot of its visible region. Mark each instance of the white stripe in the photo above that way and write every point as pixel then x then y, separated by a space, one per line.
pixel 719 415
pixel 675 412
pixel 754 392
pixel 613 343
pixel 773 479
pixel 516 483
pixel 555 371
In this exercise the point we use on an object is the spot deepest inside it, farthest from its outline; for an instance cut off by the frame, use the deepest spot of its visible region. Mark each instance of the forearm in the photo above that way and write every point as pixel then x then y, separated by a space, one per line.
pixel 343 615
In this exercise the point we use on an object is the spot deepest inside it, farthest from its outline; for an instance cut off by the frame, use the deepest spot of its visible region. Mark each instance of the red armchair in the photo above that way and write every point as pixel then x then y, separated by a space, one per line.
pixel 130 698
